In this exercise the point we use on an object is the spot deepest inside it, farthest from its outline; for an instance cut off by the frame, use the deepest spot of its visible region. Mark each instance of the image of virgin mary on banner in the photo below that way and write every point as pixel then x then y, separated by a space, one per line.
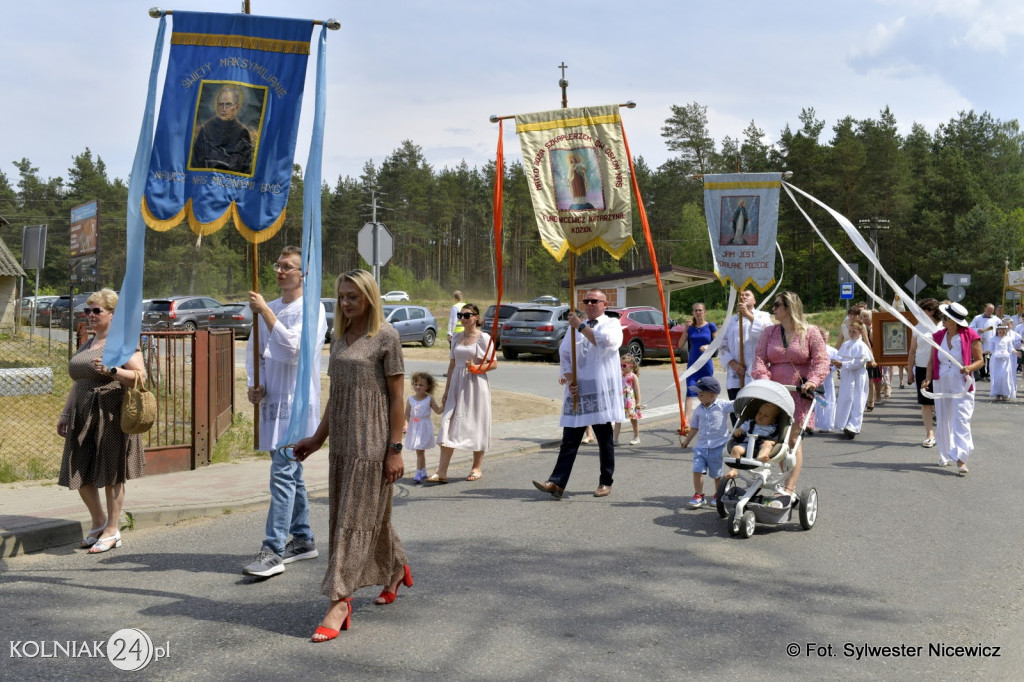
pixel 578 171
pixel 225 138
pixel 742 211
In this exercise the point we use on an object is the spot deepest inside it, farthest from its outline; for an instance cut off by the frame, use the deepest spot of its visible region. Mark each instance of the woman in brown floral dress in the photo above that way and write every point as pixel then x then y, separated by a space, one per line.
pixel 97 454
pixel 364 418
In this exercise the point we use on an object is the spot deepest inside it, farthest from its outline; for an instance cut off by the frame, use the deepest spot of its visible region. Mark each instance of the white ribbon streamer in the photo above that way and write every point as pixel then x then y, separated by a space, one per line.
pixel 909 301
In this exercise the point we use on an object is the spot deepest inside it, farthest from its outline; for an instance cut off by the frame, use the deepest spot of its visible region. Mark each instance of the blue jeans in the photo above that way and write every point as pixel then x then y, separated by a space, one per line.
pixel 289 506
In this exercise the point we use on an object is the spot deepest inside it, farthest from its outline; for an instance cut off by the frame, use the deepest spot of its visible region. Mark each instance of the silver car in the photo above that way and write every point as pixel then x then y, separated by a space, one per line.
pixel 536 329
pixel 414 323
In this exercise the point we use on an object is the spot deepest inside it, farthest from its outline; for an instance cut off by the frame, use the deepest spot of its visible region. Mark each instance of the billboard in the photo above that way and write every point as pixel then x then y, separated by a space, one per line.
pixel 85 229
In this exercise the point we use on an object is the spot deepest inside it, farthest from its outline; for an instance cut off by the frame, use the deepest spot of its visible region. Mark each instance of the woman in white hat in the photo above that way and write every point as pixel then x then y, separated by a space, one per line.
pixel 954 403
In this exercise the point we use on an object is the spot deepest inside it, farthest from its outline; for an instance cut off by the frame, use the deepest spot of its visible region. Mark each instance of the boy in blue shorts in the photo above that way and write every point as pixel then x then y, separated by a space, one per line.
pixel 709 425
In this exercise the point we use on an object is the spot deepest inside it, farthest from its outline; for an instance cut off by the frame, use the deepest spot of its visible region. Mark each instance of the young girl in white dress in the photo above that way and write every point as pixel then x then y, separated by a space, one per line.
pixel 419 430
pixel 825 415
pixel 854 384
pixel 1003 348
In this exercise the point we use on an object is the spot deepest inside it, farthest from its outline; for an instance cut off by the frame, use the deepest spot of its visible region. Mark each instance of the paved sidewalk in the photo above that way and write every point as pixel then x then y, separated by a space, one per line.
pixel 35 516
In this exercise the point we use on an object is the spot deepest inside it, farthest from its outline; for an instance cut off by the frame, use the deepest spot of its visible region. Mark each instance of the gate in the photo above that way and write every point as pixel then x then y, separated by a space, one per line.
pixel 192 376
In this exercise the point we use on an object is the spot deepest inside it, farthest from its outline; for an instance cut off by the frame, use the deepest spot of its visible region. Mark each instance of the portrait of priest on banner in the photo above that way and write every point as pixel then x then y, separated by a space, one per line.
pixel 224 133
pixel 739 220
pixel 577 183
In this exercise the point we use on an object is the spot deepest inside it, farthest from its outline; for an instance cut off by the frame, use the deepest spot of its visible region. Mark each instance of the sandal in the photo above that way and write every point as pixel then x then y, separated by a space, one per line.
pixel 327 634
pixel 928 443
pixel 92 537
pixel 106 544
pixel 475 476
pixel 434 478
pixel 961 468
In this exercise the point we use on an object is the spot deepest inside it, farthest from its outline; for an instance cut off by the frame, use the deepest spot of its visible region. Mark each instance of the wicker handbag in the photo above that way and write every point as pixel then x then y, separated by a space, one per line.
pixel 138 409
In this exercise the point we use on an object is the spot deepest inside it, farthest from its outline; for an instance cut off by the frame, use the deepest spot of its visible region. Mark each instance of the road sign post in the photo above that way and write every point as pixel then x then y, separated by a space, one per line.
pixel 376 246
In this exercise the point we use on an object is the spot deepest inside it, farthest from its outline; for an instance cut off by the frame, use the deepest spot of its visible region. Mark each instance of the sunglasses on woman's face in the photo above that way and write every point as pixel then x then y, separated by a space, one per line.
pixel 93 311
pixel 466 316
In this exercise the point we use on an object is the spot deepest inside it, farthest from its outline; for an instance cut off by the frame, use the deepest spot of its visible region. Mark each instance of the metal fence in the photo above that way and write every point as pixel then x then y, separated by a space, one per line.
pixel 190 373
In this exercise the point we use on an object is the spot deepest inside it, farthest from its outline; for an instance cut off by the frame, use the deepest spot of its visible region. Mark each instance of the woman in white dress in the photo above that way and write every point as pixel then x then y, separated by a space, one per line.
pixel 466 420
pixel 954 393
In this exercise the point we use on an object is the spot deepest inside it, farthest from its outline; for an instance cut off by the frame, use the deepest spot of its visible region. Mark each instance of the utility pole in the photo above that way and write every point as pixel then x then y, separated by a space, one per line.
pixel 874 224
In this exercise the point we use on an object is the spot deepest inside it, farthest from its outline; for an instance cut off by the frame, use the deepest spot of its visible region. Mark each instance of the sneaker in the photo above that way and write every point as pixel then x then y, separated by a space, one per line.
pixel 296 550
pixel 419 476
pixel 713 502
pixel 696 502
pixel 635 441
pixel 267 563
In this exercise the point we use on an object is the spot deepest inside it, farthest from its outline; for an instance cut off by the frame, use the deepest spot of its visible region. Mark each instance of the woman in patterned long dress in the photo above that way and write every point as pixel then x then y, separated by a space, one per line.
pixel 97 453
pixel 793 353
pixel 466 419
pixel 364 417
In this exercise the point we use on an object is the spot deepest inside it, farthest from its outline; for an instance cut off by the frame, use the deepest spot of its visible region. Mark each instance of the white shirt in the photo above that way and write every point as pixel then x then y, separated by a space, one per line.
pixel 985 326
pixel 730 348
pixel 598 375
pixel 279 367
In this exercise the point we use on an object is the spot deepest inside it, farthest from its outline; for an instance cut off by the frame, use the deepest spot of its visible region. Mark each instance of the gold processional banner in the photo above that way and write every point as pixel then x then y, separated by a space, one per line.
pixel 578 170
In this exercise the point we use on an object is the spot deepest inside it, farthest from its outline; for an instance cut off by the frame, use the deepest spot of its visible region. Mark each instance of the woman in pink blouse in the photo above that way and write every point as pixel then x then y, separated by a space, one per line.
pixel 793 353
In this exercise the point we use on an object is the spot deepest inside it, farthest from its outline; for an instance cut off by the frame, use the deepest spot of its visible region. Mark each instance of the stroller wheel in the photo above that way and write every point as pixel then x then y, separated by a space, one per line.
pixel 808 508
pixel 747 524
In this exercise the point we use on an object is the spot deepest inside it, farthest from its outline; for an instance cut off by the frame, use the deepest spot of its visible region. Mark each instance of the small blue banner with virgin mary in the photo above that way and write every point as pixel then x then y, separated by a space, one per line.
pixel 225 138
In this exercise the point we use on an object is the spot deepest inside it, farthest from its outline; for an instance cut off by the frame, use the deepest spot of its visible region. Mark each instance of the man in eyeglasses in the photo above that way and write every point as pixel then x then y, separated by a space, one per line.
pixel 280 331
pixel 598 393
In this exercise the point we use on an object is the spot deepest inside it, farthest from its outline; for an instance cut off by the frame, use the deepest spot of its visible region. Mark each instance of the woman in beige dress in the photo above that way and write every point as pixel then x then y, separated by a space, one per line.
pixel 97 453
pixel 364 417
pixel 466 419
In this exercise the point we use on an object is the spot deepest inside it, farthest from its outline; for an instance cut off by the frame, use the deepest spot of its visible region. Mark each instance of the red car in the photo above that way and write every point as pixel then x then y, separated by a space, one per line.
pixel 643 332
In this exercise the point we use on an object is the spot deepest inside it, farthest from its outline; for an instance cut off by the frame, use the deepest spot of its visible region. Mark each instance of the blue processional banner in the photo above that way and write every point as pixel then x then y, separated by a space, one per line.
pixel 742 211
pixel 225 137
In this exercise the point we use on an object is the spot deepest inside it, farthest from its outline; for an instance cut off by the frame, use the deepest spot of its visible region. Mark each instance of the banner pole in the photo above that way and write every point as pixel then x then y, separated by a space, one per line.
pixel 564 85
pixel 255 348
pixel 743 375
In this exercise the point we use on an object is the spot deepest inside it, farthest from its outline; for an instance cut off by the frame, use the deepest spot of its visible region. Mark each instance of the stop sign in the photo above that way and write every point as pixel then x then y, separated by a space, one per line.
pixel 368 235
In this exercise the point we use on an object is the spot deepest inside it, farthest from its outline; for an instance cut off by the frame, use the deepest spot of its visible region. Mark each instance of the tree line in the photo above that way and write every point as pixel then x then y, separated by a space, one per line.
pixel 952 198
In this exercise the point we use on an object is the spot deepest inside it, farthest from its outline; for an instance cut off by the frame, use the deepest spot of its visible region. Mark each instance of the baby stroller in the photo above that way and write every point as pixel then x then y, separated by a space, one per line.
pixel 755 494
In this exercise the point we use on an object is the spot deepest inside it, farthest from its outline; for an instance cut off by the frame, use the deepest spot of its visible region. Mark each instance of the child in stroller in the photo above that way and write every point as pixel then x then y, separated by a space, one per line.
pixel 763 427
pixel 752 491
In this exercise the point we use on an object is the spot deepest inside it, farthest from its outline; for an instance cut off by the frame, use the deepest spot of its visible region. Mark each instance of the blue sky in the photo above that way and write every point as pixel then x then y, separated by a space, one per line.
pixel 75 72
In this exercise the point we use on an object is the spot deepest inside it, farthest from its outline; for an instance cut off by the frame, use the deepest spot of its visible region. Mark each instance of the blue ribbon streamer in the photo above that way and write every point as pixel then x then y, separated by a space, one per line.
pixel 311 253
pixel 126 325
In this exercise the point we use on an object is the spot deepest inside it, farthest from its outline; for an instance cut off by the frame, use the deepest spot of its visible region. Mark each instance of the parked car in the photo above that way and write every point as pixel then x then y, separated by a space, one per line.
pixel 534 329
pixel 41 304
pixel 507 310
pixel 60 310
pixel 546 300
pixel 413 323
pixel 643 332
pixel 395 296
pixel 180 313
pixel 236 316
pixel 329 311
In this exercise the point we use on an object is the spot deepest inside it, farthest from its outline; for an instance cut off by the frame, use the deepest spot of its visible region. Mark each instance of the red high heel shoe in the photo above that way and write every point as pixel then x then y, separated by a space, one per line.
pixel 329 634
pixel 389 597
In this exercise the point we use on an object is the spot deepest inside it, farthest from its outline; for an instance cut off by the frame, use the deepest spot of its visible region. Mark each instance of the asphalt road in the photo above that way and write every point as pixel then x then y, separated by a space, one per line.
pixel 512 584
